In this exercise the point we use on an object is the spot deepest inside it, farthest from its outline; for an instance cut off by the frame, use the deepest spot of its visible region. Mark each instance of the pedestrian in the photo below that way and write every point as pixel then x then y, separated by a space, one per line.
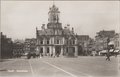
pixel 28 55
pixel 54 53
pixel 41 53
pixel 108 56
pixel 38 52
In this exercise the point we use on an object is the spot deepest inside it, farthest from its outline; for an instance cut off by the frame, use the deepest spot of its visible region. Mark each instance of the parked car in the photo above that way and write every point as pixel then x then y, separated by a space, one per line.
pixel 31 54
pixel 94 53
pixel 25 54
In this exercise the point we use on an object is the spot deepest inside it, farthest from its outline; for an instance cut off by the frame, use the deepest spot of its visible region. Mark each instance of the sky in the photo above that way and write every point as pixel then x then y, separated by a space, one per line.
pixel 19 19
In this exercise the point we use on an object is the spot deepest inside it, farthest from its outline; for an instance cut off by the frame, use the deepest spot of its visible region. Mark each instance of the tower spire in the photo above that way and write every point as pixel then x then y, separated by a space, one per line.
pixel 53 14
pixel 53 19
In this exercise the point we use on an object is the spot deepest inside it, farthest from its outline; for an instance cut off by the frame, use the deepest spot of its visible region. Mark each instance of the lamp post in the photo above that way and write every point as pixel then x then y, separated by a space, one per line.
pixel 108 40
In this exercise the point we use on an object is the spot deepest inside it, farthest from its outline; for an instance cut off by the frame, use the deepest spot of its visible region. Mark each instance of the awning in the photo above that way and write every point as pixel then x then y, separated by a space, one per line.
pixel 111 50
pixel 117 51
pixel 111 43
pixel 103 51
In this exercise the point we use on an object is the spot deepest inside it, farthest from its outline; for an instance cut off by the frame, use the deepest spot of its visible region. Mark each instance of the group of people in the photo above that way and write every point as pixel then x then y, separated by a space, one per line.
pixel 17 55
pixel 39 54
pixel 108 56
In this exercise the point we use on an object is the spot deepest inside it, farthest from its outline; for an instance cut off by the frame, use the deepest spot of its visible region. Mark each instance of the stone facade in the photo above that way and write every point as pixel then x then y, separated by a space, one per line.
pixel 56 40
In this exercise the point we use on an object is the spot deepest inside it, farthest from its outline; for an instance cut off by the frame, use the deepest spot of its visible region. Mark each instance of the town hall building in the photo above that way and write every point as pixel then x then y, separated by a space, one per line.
pixel 56 40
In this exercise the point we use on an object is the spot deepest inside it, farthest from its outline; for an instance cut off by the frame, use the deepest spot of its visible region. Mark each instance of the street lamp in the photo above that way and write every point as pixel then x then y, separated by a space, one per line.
pixel 108 40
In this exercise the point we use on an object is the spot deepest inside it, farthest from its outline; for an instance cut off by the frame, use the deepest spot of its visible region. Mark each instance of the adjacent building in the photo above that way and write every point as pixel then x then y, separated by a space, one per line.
pixel 101 39
pixel 6 45
pixel 83 44
pixel 29 45
pixel 18 48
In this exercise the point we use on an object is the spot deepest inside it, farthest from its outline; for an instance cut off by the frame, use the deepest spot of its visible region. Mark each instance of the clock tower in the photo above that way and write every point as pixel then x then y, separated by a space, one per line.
pixel 53 19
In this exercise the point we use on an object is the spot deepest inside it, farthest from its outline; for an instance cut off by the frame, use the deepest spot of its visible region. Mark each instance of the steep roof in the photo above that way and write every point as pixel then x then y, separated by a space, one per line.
pixel 67 32
pixel 46 32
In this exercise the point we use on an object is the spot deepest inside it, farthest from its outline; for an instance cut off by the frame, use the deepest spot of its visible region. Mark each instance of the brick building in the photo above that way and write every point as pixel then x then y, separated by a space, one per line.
pixel 6 45
pixel 29 45
pixel 18 48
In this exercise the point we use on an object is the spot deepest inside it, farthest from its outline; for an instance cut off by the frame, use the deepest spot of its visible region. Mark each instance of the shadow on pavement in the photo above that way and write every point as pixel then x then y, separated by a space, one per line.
pixel 4 60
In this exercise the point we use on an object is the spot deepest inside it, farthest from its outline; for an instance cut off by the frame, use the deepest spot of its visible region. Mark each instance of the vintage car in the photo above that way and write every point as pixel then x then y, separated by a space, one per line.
pixel 31 54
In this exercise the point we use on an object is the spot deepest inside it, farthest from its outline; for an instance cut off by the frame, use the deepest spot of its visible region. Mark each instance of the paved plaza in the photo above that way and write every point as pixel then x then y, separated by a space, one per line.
pixel 83 66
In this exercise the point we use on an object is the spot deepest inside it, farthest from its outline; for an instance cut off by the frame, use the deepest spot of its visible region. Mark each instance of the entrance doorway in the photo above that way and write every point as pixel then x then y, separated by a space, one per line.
pixel 80 50
pixel 70 51
pixel 57 50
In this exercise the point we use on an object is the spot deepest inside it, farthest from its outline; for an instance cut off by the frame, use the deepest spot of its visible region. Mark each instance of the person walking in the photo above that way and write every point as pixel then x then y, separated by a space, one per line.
pixel 108 50
pixel 37 52
pixel 108 56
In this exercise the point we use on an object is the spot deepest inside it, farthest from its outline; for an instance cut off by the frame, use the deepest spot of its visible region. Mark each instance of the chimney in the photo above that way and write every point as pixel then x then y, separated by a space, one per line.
pixel 43 26
pixel 68 26
pixel 72 29
pixel 36 32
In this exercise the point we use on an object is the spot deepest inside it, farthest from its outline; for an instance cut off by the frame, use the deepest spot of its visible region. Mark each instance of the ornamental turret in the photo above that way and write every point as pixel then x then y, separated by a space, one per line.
pixel 53 14
pixel 53 19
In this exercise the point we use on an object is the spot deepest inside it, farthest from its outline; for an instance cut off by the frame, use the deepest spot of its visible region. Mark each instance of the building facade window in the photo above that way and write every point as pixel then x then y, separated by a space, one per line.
pixel 67 42
pixel 118 43
pixel 73 42
pixel 56 32
pixel 41 42
pixel 41 50
pixel 48 42
pixel 57 41
pixel 47 49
